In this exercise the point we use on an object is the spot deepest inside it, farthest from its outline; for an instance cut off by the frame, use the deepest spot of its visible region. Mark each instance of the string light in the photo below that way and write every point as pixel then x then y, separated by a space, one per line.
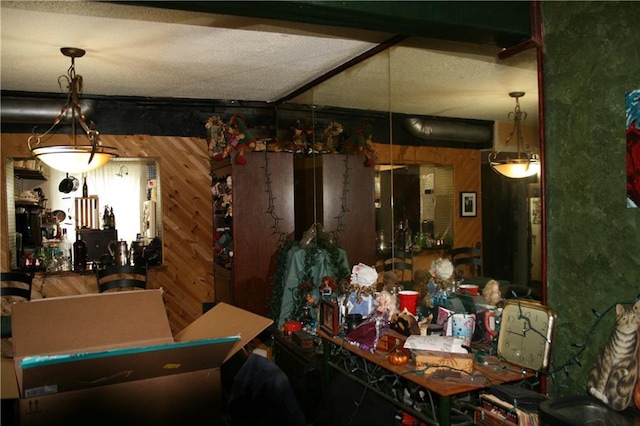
pixel 582 346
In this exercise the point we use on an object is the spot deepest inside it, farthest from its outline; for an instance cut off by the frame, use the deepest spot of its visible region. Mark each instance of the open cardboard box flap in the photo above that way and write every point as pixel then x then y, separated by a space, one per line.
pixel 92 322
pixel 225 320
pixel 79 342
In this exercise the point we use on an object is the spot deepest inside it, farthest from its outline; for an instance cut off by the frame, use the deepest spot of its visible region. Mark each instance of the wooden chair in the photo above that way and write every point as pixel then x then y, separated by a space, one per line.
pixel 467 261
pixel 15 288
pixel 121 277
pixel 398 261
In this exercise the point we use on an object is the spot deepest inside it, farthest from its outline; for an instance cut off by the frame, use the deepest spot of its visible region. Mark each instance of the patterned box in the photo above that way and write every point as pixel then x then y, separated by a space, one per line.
pixel 432 361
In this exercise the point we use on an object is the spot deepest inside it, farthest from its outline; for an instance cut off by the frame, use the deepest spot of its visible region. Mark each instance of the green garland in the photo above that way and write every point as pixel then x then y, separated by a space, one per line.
pixel 275 304
pixel 306 284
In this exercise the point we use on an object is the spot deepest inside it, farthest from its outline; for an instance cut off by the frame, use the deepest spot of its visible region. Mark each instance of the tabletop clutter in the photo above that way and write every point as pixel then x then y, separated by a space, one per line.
pixel 434 323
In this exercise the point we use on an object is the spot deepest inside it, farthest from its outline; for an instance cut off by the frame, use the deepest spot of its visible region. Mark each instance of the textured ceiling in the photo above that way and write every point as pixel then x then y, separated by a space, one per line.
pixel 142 51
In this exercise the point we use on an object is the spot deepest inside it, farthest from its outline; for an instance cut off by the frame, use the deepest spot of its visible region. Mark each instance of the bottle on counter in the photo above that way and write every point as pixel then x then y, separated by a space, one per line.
pixel 106 218
pixel 65 248
pixel 85 188
pixel 112 219
pixel 79 254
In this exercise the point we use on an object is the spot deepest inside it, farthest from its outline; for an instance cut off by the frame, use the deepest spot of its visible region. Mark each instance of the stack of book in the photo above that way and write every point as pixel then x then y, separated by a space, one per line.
pixel 495 411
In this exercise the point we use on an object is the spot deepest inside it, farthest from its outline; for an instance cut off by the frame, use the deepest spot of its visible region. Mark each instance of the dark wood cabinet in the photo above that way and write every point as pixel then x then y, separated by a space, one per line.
pixel 262 216
pixel 337 190
pixel 276 197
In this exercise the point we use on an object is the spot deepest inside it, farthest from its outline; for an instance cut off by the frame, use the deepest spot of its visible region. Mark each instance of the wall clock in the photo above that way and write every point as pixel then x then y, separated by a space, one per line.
pixel 526 332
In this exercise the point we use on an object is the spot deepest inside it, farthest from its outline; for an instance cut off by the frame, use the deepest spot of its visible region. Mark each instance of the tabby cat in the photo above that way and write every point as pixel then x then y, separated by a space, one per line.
pixel 614 374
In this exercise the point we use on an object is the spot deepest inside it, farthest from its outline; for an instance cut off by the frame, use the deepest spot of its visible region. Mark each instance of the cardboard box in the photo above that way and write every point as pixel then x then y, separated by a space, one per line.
pixel 432 361
pixel 9 388
pixel 110 358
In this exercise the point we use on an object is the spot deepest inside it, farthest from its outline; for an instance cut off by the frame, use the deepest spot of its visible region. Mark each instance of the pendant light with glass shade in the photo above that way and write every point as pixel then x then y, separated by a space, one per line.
pixel 78 157
pixel 525 163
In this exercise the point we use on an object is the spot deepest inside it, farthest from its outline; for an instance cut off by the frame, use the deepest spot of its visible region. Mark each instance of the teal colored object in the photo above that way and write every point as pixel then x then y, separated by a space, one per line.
pixel 43 360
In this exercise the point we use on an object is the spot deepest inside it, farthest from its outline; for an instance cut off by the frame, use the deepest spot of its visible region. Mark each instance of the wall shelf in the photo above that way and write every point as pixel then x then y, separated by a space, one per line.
pixel 28 174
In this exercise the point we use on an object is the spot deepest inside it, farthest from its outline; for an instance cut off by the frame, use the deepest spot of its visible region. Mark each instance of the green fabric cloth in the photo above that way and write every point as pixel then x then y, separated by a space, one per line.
pixel 295 271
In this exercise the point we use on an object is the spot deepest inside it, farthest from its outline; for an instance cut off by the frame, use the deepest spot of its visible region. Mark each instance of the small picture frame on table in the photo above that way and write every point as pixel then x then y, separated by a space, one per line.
pixel 468 204
pixel 329 317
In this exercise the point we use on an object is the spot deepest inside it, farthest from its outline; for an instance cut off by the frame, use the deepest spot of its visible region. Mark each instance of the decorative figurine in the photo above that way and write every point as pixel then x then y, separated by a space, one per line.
pixel 240 140
pixel 333 137
pixel 217 141
pixel 360 143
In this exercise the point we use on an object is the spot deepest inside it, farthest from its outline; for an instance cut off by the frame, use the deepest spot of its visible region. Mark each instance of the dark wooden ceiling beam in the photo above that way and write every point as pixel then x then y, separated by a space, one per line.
pixel 502 23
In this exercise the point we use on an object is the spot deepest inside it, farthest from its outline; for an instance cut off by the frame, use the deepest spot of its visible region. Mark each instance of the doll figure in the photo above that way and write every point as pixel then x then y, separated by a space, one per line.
pixel 386 303
pixel 239 140
pixel 491 293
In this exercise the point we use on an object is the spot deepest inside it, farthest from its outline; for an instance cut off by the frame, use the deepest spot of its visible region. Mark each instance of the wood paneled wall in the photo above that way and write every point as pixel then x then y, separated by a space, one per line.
pixel 186 275
pixel 187 231
pixel 467 231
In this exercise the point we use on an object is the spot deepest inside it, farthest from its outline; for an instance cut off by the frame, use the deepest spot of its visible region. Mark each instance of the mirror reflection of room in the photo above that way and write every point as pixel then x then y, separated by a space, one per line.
pixel 115 203
pixel 418 216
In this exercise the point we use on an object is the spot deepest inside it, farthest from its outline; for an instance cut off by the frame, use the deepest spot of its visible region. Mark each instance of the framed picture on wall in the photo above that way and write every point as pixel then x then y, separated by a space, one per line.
pixel 329 317
pixel 468 204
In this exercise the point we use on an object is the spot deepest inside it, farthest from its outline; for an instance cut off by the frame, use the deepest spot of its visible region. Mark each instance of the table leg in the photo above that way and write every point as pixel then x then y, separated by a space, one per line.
pixel 326 374
pixel 445 411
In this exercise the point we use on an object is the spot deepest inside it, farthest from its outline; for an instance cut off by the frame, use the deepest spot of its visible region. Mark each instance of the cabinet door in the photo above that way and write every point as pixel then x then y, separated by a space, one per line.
pixel 264 182
pixel 348 205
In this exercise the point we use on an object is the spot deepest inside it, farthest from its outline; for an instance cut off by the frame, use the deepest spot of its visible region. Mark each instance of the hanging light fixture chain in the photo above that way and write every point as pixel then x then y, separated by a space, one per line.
pixel 74 157
pixel 525 163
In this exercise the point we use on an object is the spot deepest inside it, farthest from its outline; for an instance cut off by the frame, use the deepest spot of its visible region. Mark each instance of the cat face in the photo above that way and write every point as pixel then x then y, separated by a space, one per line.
pixel 628 318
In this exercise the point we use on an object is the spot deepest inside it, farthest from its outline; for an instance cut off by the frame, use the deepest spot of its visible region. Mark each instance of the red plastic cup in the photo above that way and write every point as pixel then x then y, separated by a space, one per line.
pixel 409 300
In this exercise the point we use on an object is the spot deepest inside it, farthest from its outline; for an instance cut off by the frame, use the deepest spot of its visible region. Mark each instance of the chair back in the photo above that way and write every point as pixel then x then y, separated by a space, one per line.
pixel 467 261
pixel 398 261
pixel 121 277
pixel 15 287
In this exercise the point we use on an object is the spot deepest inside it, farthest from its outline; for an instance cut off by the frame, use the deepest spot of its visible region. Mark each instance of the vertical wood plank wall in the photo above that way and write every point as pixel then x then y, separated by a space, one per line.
pixel 187 272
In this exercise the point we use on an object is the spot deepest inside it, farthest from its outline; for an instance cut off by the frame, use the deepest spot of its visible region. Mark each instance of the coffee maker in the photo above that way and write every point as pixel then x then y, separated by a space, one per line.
pixel 29 225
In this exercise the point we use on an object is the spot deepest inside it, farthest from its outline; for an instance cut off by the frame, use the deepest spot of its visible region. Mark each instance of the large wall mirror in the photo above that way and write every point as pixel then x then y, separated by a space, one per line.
pixel 421 182
pixel 122 203
pixel 422 209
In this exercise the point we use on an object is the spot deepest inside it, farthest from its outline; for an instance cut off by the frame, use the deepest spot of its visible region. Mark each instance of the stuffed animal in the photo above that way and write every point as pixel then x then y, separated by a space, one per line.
pixel 491 293
pixel 239 140
pixel 405 323
pixel 389 281
pixel 420 284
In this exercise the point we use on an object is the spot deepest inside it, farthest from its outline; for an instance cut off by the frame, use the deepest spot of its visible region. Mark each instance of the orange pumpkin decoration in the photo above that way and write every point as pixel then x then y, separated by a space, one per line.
pixel 398 358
